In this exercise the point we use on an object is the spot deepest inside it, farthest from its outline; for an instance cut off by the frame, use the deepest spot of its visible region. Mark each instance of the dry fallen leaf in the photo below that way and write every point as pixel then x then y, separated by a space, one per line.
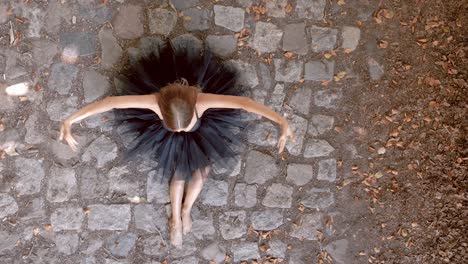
pixel 383 44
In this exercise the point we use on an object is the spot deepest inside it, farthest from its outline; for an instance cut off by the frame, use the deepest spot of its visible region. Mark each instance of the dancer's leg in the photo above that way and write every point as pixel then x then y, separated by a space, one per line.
pixel 193 190
pixel 176 190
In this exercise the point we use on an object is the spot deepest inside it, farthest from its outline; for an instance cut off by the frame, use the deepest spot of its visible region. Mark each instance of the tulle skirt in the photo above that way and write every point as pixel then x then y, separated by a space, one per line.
pixel 179 154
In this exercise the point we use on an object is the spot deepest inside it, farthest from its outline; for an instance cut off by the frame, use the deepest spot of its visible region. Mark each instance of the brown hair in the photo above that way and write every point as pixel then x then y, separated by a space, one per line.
pixel 177 104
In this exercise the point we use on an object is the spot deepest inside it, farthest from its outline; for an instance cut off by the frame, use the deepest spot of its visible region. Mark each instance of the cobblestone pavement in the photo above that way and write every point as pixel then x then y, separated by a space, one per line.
pixel 305 59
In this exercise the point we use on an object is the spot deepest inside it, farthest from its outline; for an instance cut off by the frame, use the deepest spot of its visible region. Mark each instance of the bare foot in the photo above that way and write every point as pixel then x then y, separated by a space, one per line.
pixel 186 221
pixel 176 232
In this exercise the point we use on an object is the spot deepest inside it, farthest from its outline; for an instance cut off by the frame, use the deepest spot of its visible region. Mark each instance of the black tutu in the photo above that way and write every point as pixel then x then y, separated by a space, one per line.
pixel 181 153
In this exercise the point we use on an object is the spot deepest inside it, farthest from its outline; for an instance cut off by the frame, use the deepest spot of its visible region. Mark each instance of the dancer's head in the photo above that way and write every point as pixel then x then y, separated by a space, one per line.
pixel 177 104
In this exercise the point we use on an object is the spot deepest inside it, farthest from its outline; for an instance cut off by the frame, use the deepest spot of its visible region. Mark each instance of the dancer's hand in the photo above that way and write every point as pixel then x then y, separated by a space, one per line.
pixel 65 133
pixel 285 133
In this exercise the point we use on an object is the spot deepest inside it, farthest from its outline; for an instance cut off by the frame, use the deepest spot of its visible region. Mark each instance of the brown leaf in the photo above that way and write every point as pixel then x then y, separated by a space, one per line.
pixel 383 44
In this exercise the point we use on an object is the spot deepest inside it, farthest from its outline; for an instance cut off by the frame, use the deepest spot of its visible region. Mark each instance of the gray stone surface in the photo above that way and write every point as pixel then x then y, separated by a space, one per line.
pixel 318 198
pixel 30 173
pixel 323 38
pixel 214 192
pixel 215 252
pixel 34 135
pixel 125 183
pixel 229 17
pixel 157 188
pixel 103 150
pixel 183 4
pixel 277 248
pixel 266 38
pixel 187 260
pixel 43 52
pixel 327 170
pixel 376 70
pixel 84 43
pixel 294 39
pixel 318 148
pixel 62 77
pixel 202 226
pixel 93 246
pixel 263 134
pixel 128 22
pixel 7 241
pixel 288 71
pixel 67 218
pixel 299 126
pixel 311 9
pixel 245 251
pixel 307 226
pixel 162 21
pixel 301 100
pixel 110 48
pixel 108 217
pixel 148 218
pixel 278 195
pixel 276 8
pixel 277 98
pixel 61 185
pixel 299 174
pixel 268 219
pixel 121 244
pixel 196 19
pixel 155 246
pixel 58 109
pixel 67 243
pixel 95 85
pixel 232 224
pixel 319 124
pixel 93 184
pixel 8 205
pixel 351 36
pixel 338 250
pixel 222 46
pixel 319 70
pixel 327 98
pixel 248 74
pixel 188 248
pixel 259 168
pixel 34 210
pixel 245 195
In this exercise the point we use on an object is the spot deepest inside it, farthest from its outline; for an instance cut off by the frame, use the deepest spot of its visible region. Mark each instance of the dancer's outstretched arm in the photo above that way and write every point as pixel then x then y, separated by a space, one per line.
pixel 206 101
pixel 106 104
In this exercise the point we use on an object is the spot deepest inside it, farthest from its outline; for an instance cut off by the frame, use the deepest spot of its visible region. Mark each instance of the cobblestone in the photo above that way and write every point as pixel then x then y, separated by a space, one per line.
pixel 214 252
pixel 103 150
pixel 196 19
pixel 30 173
pixel 8 205
pixel 269 219
pixel 232 224
pixel 319 70
pixel 259 168
pixel 222 46
pixel 121 244
pixel 67 243
pixel 289 71
pixel 110 48
pixel 149 219
pixel 277 98
pixel 62 77
pixel 327 170
pixel 267 37
pixel 229 17
pixel 128 22
pixel 67 218
pixel 84 43
pixel 214 193
pixel 277 248
pixel 248 73
pixel 318 198
pixel 299 126
pixel 108 217
pixel 162 21
pixel 307 227
pixel 319 124
pixel 294 39
pixel 351 36
pixel 245 251
pixel 299 174
pixel 95 86
pixel 318 148
pixel 245 195
pixel 311 9
pixel 279 196
pixel 62 184
pixel 301 99
pixel 323 38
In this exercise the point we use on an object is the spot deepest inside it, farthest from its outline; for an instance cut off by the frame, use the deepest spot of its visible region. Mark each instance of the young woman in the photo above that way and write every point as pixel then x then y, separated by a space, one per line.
pixel 181 104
